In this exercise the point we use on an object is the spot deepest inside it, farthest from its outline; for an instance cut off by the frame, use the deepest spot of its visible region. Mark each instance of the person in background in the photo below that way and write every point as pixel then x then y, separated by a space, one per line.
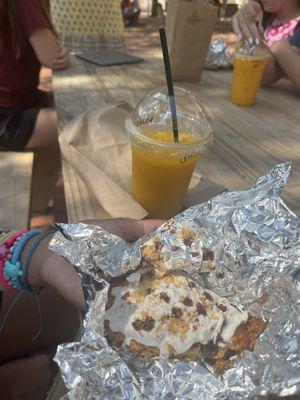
pixel 26 265
pixel 130 11
pixel 28 119
pixel 277 22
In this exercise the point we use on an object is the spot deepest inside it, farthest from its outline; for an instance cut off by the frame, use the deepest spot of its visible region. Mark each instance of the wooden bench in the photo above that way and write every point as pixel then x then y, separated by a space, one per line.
pixel 27 180
pixel 15 193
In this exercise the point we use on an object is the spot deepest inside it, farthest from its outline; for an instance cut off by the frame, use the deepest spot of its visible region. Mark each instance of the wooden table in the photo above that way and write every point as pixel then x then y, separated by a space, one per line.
pixel 247 141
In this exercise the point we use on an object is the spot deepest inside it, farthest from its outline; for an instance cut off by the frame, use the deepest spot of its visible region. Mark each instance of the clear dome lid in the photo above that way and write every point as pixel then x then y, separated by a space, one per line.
pixel 152 114
pixel 253 50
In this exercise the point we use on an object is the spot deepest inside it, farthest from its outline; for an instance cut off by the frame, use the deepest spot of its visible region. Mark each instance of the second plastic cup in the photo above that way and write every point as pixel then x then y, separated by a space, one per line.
pixel 161 168
pixel 248 69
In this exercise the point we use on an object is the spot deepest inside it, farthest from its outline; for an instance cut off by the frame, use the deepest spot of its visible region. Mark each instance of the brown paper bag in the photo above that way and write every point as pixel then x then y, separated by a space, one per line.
pixel 98 151
pixel 190 24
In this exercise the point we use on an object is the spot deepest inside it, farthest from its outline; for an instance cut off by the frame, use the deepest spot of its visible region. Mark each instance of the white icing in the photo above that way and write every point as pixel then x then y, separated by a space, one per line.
pixel 164 258
pixel 181 333
pixel 134 277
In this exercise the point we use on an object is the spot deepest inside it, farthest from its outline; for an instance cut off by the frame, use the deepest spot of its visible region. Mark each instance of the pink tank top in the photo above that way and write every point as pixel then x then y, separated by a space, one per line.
pixel 278 30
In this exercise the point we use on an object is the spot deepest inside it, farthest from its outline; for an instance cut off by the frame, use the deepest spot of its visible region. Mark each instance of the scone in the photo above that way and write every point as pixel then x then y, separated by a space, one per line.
pixel 162 257
pixel 172 316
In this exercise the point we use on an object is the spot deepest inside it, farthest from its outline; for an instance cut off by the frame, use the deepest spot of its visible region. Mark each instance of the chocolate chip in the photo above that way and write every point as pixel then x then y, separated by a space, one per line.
pixel 177 312
pixel 138 325
pixel 187 302
pixel 188 241
pixel 220 275
pixel 263 299
pixel 149 291
pixel 175 248
pixel 222 307
pixel 158 245
pixel 195 254
pixel 146 264
pixel 208 255
pixel 208 296
pixel 149 271
pixel 125 296
pixel 200 309
pixel 192 285
pixel 210 349
pixel 165 297
pixel 229 353
pixel 148 324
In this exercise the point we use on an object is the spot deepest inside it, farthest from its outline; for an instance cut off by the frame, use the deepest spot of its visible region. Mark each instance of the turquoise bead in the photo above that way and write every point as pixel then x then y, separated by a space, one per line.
pixel 13 270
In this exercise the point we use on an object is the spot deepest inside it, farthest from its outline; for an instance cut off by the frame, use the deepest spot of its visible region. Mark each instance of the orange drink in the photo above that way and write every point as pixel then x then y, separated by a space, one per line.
pixel 247 75
pixel 162 168
pixel 248 68
pixel 162 171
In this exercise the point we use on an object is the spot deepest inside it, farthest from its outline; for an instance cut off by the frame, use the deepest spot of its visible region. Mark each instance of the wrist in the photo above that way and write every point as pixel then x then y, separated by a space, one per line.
pixel 38 261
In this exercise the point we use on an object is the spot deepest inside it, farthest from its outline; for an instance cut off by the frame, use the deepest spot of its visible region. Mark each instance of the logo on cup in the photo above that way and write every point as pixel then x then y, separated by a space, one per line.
pixel 194 19
pixel 144 121
pixel 189 157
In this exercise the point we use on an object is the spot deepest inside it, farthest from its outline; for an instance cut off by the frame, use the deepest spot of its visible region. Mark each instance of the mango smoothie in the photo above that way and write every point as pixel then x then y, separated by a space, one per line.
pixel 162 171
pixel 247 75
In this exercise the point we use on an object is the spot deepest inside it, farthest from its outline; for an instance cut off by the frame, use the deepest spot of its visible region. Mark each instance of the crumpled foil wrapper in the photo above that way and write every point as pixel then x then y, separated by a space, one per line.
pixel 256 241
pixel 218 55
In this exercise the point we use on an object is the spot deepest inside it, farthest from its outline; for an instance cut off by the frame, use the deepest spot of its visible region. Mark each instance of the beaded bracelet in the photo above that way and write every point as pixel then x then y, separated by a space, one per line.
pixel 7 240
pixel 12 269
pixel 27 259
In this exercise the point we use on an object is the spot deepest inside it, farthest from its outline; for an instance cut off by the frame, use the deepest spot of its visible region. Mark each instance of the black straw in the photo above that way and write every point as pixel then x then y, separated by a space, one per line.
pixel 164 46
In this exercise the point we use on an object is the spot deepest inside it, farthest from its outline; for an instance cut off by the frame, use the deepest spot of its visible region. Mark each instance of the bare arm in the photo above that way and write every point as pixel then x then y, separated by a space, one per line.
pixel 48 50
pixel 272 73
pixel 285 62
pixel 49 269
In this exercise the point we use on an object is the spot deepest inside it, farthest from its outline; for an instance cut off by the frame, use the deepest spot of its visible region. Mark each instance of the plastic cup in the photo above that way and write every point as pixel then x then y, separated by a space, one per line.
pixel 248 71
pixel 161 168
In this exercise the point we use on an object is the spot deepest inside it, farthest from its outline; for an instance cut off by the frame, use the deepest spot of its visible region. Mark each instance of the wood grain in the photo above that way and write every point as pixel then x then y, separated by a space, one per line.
pixel 247 141
pixel 81 204
pixel 15 181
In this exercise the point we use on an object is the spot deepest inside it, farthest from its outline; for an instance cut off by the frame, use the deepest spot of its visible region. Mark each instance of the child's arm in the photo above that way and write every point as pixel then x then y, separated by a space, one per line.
pixel 272 73
pixel 48 50
pixel 47 269
pixel 287 58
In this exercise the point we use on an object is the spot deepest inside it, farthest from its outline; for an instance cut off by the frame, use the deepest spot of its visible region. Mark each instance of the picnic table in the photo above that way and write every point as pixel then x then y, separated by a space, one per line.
pixel 247 141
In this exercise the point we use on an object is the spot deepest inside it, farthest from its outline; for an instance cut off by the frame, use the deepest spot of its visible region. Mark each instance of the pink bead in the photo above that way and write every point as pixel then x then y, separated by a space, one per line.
pixel 3 282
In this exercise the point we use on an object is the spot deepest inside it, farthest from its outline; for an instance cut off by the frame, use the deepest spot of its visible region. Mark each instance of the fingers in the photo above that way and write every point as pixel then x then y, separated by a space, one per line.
pixel 61 60
pixel 247 22
pixel 126 228
pixel 260 25
pixel 60 64
pixel 236 26
pixel 133 230
pixel 250 27
pixel 151 225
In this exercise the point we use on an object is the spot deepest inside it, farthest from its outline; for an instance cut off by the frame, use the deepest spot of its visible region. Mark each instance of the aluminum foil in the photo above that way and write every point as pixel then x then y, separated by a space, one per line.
pixel 218 56
pixel 256 241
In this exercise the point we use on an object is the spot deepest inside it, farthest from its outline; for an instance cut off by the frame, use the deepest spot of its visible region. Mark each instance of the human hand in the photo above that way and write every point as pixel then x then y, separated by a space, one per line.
pixel 49 269
pixel 247 22
pixel 126 228
pixel 61 60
